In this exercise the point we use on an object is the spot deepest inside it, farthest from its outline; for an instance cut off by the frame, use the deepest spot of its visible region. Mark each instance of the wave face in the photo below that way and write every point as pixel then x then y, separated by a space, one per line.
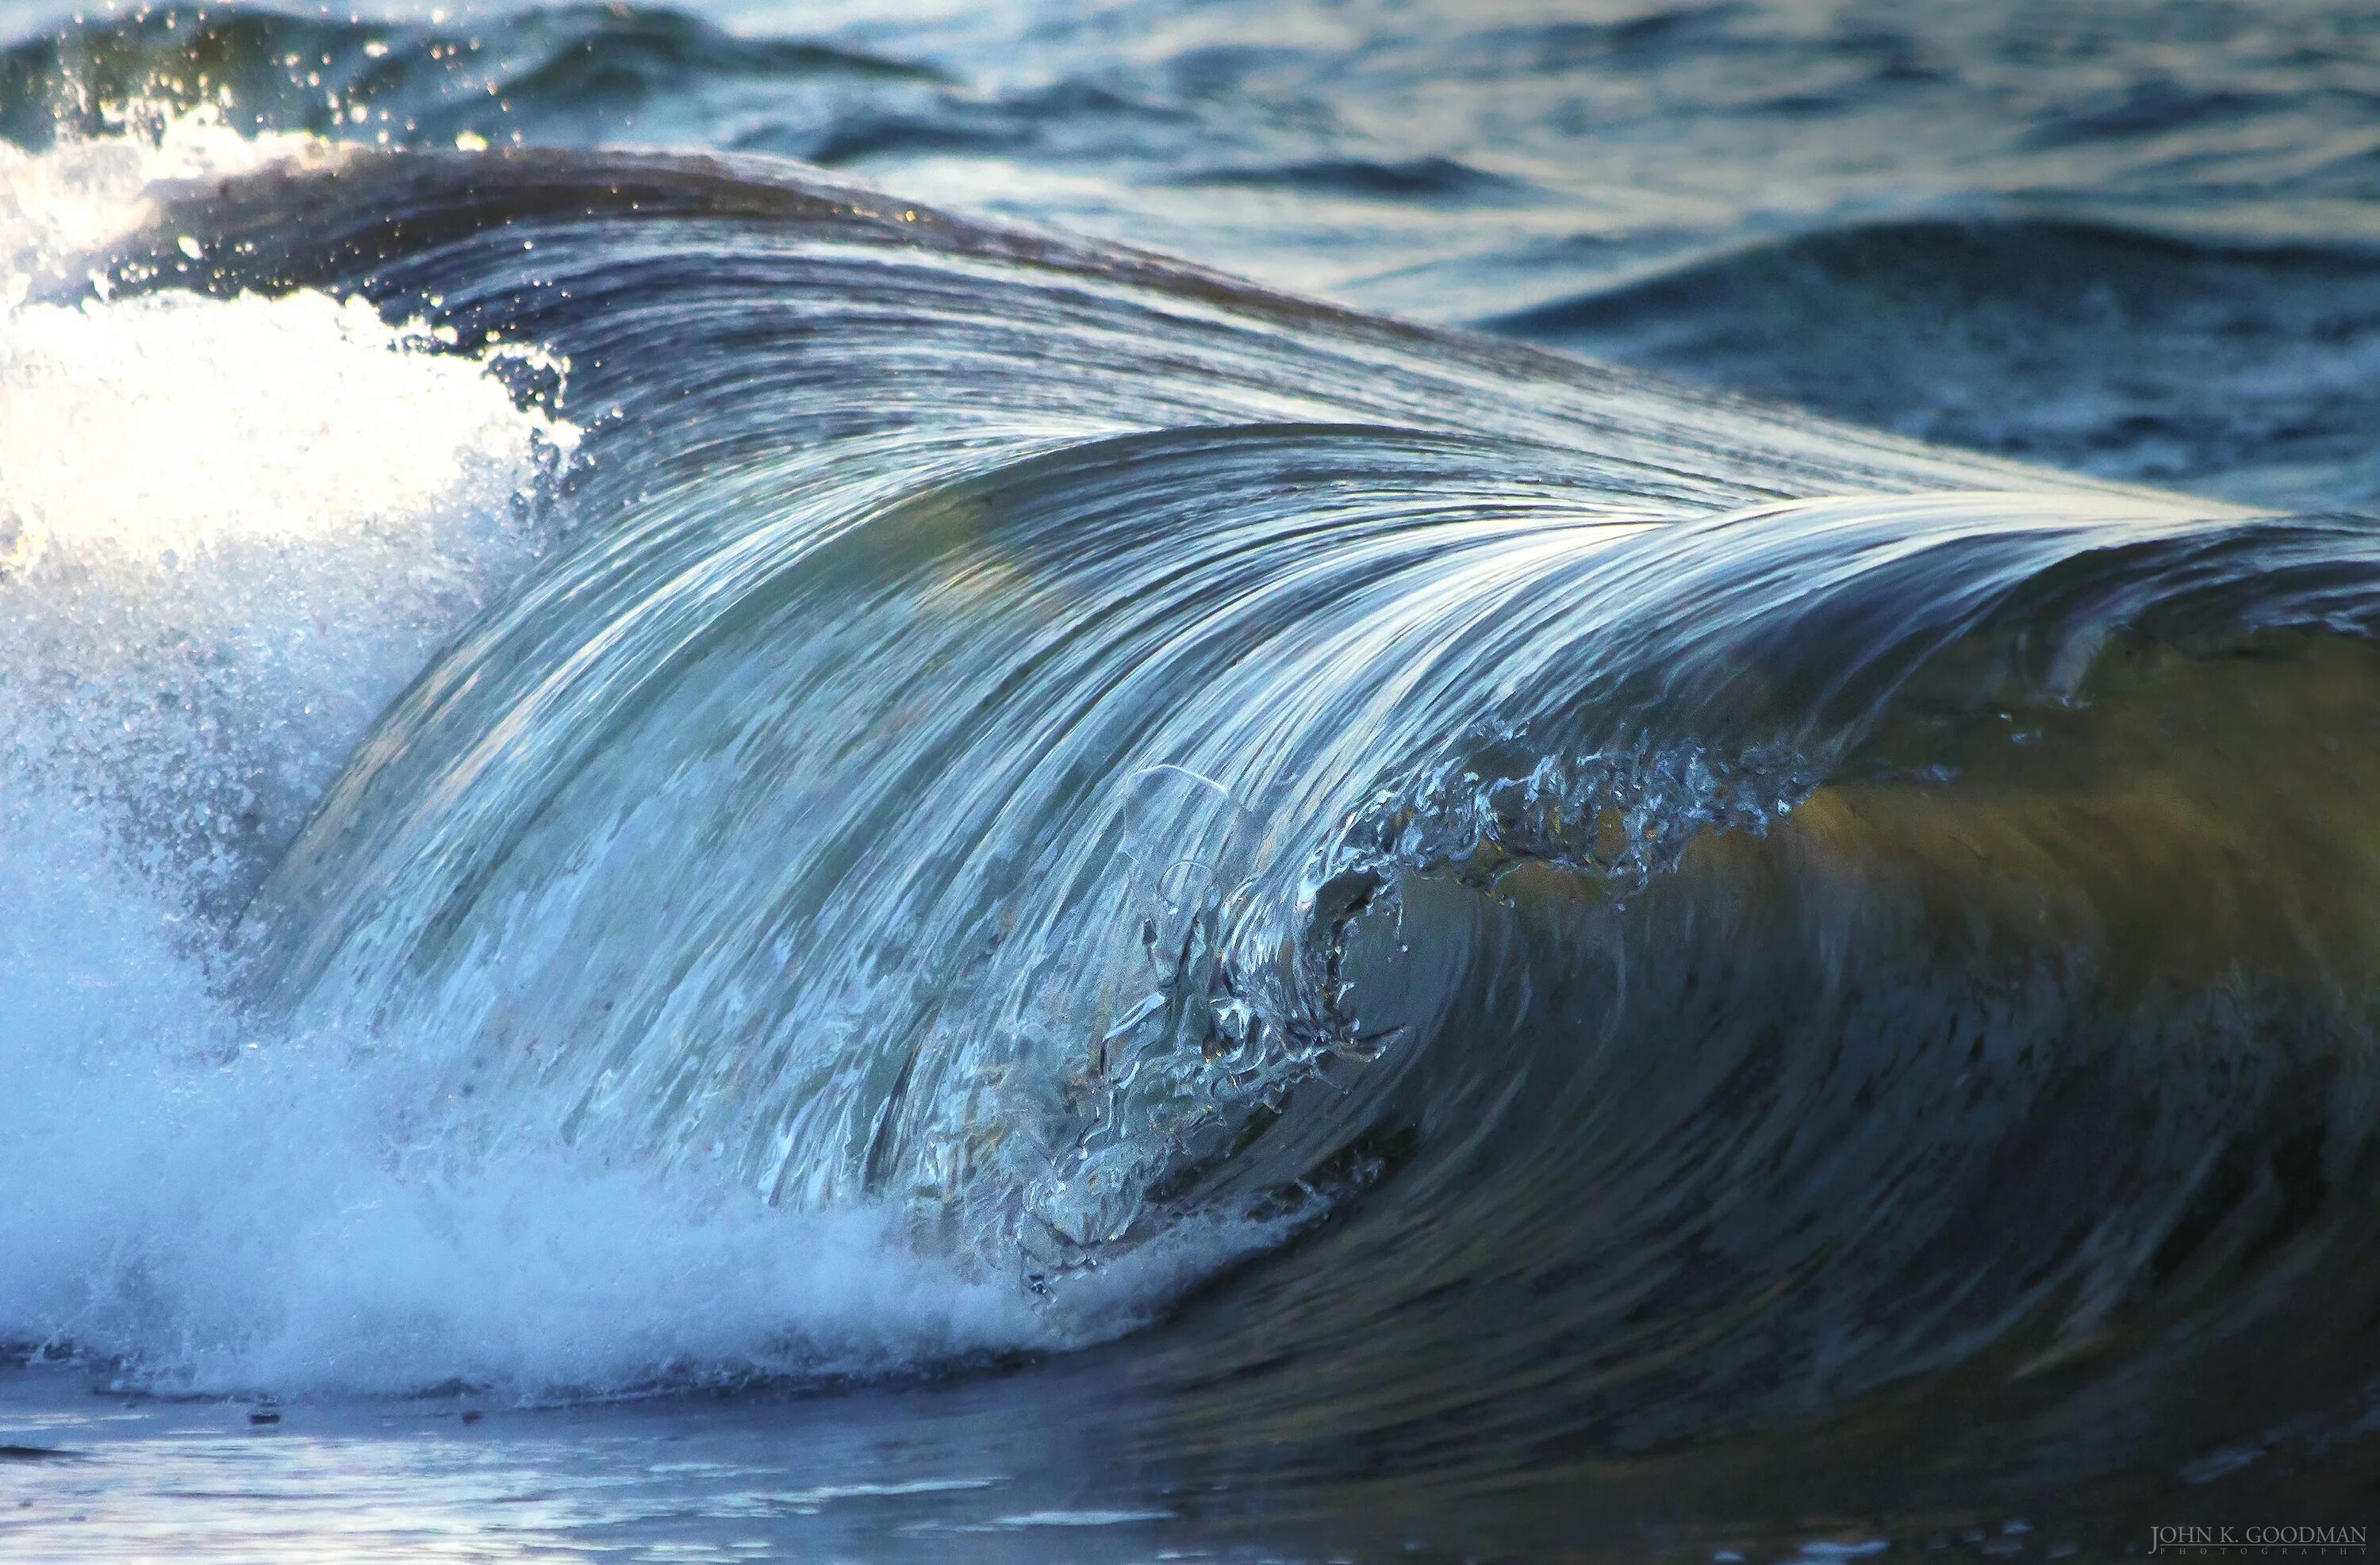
pixel 634 769
pixel 1019 725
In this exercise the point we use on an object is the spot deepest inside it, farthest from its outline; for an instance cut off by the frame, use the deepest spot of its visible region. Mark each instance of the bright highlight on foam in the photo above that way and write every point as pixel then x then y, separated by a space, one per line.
pixel 60 202
pixel 171 423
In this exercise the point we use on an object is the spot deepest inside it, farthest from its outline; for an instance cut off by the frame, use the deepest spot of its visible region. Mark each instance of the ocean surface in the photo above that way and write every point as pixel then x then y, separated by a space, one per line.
pixel 1100 782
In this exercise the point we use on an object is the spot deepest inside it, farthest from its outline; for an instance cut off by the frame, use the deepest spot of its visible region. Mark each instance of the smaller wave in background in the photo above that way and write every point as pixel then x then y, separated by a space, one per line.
pixel 570 75
pixel 2250 372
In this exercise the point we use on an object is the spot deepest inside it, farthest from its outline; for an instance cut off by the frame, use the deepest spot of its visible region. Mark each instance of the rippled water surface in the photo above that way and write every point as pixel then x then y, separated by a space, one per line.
pixel 1037 783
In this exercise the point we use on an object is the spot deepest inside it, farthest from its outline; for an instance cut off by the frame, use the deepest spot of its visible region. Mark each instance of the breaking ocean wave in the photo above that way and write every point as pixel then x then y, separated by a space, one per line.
pixel 630 770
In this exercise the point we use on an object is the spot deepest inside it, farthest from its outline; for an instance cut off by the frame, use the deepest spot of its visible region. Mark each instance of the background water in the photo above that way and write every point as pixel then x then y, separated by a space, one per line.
pixel 1962 1272
pixel 2130 239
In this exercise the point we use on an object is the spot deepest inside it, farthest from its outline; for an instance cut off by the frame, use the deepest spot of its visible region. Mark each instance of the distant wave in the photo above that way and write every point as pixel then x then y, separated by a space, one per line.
pixel 1409 180
pixel 565 73
pixel 2110 349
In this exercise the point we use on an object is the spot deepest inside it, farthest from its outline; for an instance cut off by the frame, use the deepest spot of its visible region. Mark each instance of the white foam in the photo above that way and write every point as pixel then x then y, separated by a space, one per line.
pixel 249 1216
pixel 230 531
pixel 172 423
pixel 57 204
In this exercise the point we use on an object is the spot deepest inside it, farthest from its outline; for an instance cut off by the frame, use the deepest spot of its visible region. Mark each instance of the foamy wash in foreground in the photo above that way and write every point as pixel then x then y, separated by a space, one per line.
pixel 629 772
